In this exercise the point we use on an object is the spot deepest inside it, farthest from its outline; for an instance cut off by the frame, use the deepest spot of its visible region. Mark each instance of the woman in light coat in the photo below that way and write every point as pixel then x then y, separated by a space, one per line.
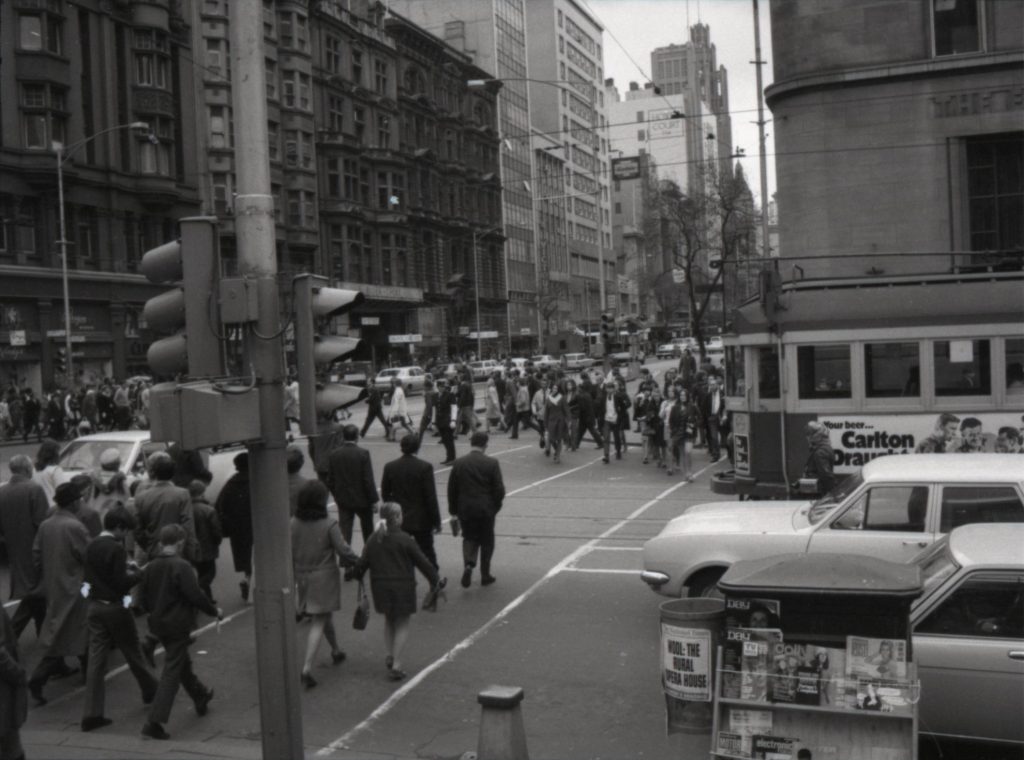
pixel 317 547
pixel 398 412
pixel 492 405
pixel 556 420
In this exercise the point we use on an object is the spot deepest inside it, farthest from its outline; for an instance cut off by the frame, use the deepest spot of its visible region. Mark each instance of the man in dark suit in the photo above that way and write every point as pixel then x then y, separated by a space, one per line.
pixel 410 481
pixel 711 405
pixel 23 507
pixel 475 495
pixel 445 419
pixel 350 475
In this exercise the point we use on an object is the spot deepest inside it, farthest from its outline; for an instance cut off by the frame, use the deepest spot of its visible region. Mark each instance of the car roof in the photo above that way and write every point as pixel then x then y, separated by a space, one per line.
pixel 992 544
pixel 957 468
pixel 116 436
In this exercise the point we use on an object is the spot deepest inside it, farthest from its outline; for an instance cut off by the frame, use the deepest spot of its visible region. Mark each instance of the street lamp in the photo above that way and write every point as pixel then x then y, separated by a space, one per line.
pixel 63 154
pixel 476 278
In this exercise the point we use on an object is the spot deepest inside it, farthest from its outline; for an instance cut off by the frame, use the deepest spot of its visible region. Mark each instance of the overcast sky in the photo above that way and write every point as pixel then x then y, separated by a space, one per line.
pixel 633 28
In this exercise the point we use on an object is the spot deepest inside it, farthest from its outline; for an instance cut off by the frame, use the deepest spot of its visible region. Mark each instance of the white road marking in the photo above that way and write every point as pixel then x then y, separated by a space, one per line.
pixel 344 741
pixel 635 573
pixel 495 454
pixel 618 548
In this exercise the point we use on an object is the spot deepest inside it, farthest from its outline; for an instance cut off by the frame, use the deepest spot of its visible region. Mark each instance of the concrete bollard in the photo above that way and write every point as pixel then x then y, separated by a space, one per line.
pixel 502 736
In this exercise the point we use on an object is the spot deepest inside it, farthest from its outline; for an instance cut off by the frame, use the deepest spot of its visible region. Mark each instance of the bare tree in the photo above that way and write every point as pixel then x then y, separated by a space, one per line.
pixel 714 222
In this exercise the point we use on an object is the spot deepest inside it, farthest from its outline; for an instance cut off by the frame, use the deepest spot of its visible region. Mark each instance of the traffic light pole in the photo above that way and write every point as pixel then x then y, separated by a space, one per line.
pixel 277 665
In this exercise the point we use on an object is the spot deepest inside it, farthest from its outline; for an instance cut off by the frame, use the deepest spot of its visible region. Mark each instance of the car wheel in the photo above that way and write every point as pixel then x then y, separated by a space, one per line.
pixel 704 583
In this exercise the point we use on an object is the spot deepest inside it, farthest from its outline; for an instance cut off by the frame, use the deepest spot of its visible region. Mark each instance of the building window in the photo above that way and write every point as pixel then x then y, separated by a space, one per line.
pixel 152 58
pixel 357 67
pixel 892 370
pixel 334 177
pixel 273 138
pixel 1015 367
pixel 962 368
pixel 380 77
pixel 296 90
pixel 301 212
pixel 271 79
pixel 269 20
pixel 383 131
pixel 217 58
pixel 335 113
pixel 390 190
pixel 823 371
pixel 995 189
pixel 956 26
pixel 350 187
pixel 86 241
pixel 332 54
pixel 559 19
pixel 44 115
pixel 155 149
pixel 41 32
pixel 220 127
pixel 294 31
pixel 359 122
pixel 336 249
pixel 222 192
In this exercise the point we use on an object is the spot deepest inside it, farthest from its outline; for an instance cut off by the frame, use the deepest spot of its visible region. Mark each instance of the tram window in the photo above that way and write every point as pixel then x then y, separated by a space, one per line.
pixel 1015 366
pixel 824 371
pixel 768 372
pixel 892 370
pixel 962 368
pixel 735 373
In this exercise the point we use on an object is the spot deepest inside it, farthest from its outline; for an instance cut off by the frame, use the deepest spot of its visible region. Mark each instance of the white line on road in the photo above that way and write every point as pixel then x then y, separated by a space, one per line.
pixel 343 741
pixel 618 548
pixel 495 454
pixel 635 573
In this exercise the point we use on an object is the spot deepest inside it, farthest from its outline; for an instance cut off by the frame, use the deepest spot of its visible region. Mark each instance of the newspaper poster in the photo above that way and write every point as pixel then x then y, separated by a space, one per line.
pixel 876 658
pixel 686 663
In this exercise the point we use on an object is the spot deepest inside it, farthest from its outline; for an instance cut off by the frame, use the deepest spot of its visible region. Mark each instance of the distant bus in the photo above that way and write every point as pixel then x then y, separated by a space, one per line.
pixel 891 365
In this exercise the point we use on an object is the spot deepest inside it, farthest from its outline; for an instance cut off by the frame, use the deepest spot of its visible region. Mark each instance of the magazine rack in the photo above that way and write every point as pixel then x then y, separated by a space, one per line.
pixel 816 661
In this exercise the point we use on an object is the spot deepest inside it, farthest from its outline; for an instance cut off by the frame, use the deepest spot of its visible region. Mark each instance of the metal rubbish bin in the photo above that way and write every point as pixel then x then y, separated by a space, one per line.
pixel 691 630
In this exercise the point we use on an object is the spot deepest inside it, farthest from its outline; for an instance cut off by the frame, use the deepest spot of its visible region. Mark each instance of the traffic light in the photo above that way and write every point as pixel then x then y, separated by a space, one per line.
pixel 60 361
pixel 184 313
pixel 314 305
pixel 607 328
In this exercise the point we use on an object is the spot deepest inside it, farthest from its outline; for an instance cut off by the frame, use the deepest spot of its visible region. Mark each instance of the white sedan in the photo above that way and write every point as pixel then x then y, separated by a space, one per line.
pixel 413 379
pixel 544 361
pixel 576 361
pixel 891 509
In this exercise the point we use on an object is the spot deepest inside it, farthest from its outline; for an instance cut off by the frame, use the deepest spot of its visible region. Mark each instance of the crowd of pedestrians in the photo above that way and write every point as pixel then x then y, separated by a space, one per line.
pixel 62 414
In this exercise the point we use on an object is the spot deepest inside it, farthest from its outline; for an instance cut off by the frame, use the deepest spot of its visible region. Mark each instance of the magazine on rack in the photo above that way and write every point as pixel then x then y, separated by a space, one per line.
pixel 876 658
pixel 772 747
pixel 735 740
pixel 881 695
pixel 757 644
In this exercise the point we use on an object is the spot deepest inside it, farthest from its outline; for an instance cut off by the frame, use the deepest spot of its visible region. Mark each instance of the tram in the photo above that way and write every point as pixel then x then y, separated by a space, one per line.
pixel 890 365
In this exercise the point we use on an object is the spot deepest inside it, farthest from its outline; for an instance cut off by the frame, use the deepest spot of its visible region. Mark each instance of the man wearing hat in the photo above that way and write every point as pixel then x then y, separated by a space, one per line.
pixel 59 558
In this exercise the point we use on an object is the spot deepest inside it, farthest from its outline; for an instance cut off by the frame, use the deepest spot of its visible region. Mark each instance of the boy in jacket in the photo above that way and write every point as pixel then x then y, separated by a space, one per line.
pixel 170 592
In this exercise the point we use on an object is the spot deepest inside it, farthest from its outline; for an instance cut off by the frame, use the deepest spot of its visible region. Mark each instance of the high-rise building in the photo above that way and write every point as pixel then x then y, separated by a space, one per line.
pixel 81 74
pixel 691 70
pixel 493 33
pixel 567 100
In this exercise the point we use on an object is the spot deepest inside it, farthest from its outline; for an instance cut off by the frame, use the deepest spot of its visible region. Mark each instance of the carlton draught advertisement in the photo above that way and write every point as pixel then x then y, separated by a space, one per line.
pixel 859 439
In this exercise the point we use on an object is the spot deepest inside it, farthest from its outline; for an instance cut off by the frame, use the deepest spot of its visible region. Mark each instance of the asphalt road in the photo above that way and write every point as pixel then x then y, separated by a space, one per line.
pixel 568 620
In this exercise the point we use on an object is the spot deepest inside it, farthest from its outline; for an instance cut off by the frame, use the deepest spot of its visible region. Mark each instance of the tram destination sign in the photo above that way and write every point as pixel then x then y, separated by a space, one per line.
pixel 857 439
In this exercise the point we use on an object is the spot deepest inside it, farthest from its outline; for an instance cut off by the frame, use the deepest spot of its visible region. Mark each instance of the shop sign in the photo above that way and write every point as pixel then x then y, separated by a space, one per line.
pixel 412 338
pixel 463 331
pixel 17 338
pixel 627 167
pixel 857 439
pixel 385 292
pixel 525 331
pixel 484 334
pixel 686 662
pixel 11 353
pixel 368 321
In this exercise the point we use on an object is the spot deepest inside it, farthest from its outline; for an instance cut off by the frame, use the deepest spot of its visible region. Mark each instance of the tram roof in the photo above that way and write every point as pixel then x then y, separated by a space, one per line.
pixel 903 301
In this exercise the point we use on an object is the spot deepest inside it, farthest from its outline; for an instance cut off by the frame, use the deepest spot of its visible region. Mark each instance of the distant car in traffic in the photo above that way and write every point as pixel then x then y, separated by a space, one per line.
pixel 674 348
pixel 413 379
pixel 544 361
pixel 576 361
pixel 483 369
pixel 621 358
pixel 892 508
pixel 968 637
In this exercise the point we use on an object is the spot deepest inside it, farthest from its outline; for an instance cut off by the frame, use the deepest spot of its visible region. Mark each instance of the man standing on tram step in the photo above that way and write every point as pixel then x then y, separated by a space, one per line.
pixel 475 495
pixel 409 481
pixel 350 475
pixel 110 579
pixel 820 457
pixel 374 410
pixel 170 593
pixel 445 416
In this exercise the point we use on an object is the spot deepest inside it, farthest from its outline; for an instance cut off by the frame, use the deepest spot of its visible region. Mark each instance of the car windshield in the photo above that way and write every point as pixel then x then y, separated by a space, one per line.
pixel 827 503
pixel 85 455
pixel 937 564
pixel 388 373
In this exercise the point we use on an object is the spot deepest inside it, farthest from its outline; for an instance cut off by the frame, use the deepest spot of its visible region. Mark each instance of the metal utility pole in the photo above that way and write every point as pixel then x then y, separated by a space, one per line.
pixel 277 666
pixel 765 247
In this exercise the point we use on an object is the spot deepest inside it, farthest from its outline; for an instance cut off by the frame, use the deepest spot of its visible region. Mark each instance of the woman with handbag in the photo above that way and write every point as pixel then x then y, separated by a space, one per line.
pixel 392 556
pixel 398 412
pixel 316 541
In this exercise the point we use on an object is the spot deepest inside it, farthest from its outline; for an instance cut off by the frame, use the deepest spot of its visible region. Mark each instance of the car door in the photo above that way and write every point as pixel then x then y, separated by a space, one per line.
pixel 888 521
pixel 969 649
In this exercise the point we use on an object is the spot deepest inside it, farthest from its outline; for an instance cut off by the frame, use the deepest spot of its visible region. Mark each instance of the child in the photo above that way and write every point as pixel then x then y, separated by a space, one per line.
pixel 208 537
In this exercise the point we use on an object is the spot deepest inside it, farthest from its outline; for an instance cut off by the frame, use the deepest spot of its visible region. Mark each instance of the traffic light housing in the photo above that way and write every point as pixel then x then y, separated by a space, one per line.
pixel 185 313
pixel 607 328
pixel 60 360
pixel 314 305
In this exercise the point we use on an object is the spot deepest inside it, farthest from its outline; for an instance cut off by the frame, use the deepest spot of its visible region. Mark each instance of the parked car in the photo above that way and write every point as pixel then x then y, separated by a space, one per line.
pixel 576 361
pixel 545 361
pixel 412 379
pixel 518 363
pixel 621 358
pixel 484 368
pixel 892 508
pixel 968 629
pixel 674 348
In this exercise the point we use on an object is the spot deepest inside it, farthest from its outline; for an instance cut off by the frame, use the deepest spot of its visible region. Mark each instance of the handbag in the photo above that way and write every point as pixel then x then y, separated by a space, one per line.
pixel 362 613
